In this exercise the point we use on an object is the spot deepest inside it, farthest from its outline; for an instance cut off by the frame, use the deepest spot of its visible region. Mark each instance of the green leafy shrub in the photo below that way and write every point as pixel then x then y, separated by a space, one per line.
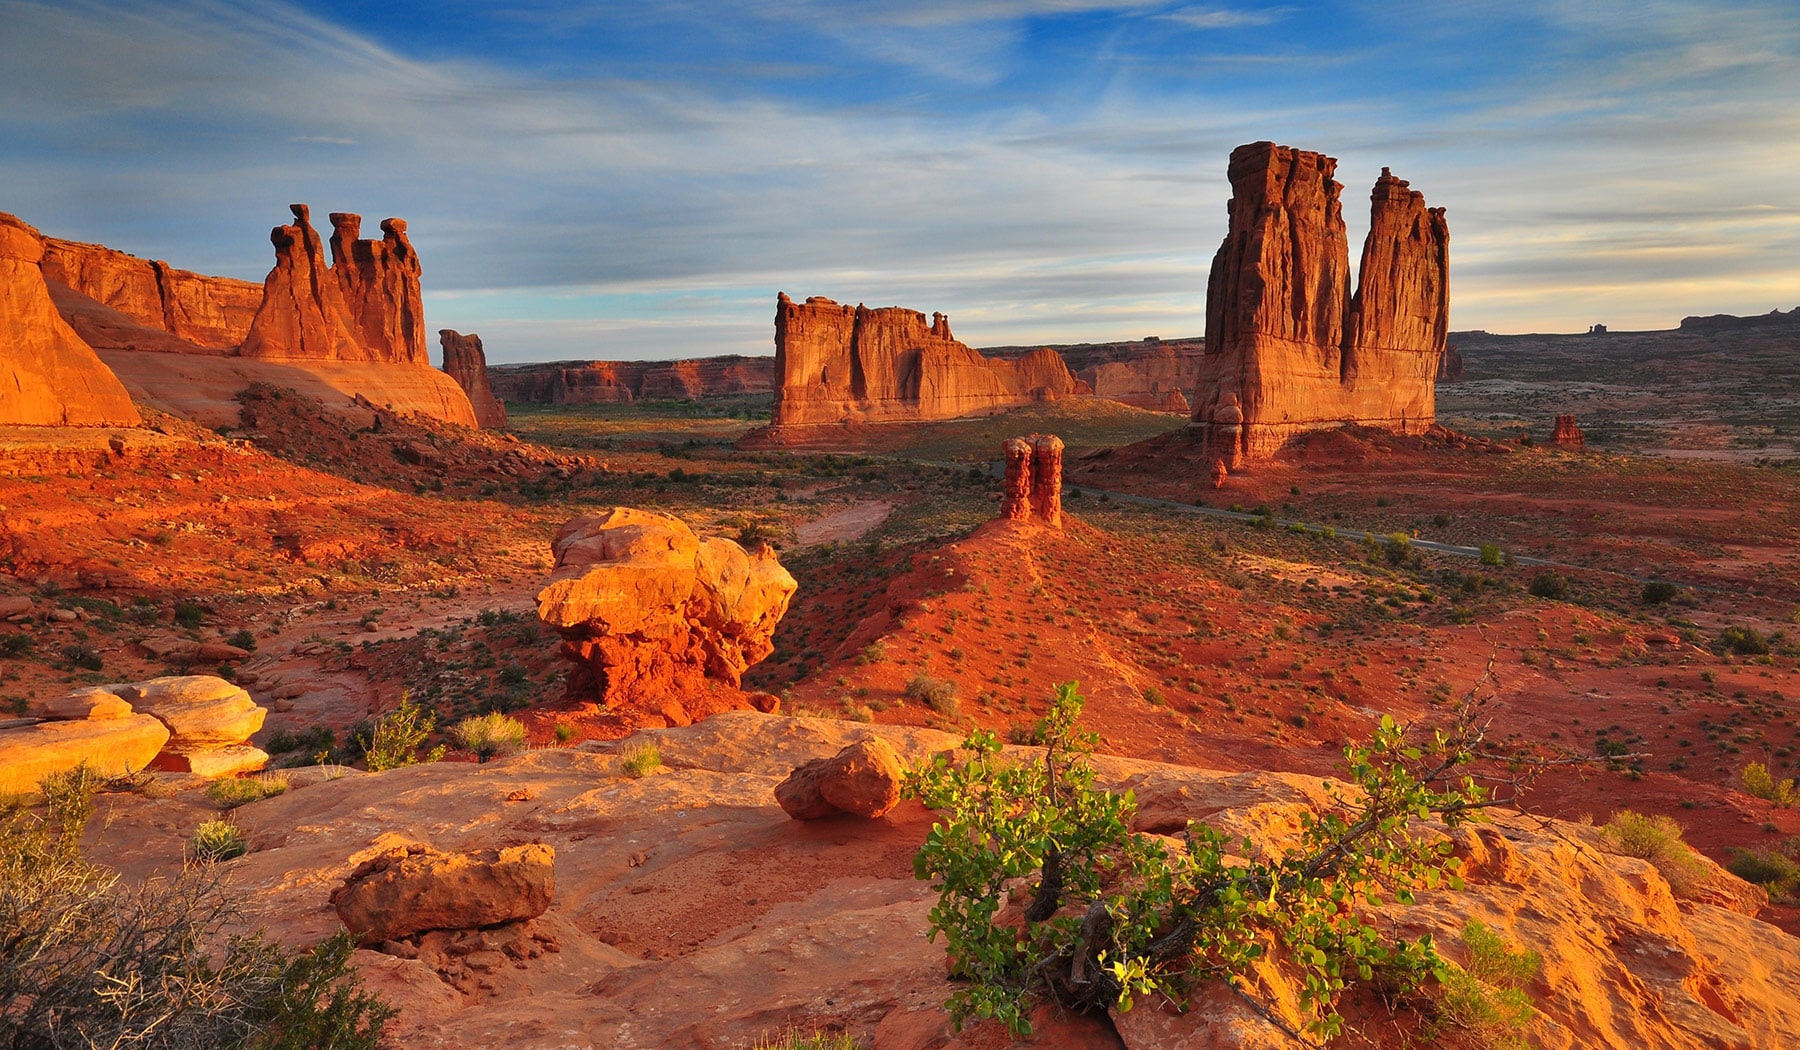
pixel 189 615
pixel 640 760
pixel 13 646
pixel 1486 997
pixel 230 794
pixel 1113 915
pixel 1774 870
pixel 393 740
pixel 1656 592
pixel 489 735
pixel 243 639
pixel 1491 554
pixel 218 840
pixel 1759 782
pixel 564 732
pixel 1550 584
pixel 93 961
pixel 1744 641
pixel 1657 839
pixel 1396 548
pixel 83 656
pixel 939 694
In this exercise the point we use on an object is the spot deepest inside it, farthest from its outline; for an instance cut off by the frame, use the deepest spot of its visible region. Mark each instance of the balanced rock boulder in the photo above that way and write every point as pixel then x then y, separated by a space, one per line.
pixel 466 362
pixel 48 376
pixel 412 889
pixel 649 612
pixel 1289 349
pixel 863 779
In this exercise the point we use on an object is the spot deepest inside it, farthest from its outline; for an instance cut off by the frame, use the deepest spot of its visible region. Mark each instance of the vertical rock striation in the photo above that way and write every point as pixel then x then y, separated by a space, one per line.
pixel 303 315
pixel 1288 348
pixel 466 363
pixel 380 284
pixel 48 376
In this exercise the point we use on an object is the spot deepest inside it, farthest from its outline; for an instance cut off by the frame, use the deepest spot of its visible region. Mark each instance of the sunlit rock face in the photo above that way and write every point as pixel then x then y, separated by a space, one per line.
pixel 1289 349
pixel 466 362
pixel 212 313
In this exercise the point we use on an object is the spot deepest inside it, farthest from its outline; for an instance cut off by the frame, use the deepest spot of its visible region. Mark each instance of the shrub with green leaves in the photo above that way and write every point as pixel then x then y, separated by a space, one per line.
pixel 1491 554
pixel 640 760
pixel 1656 592
pixel 1485 998
pixel 1114 915
pixel 1657 839
pixel 489 735
pixel 1758 781
pixel 1550 584
pixel 1775 870
pixel 230 794
pixel 1744 641
pixel 218 840
pixel 1396 547
pixel 394 739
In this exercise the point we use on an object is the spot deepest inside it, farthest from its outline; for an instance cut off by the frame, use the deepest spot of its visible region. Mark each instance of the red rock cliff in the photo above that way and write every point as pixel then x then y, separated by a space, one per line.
pixel 852 364
pixel 380 282
pixel 303 314
pixel 585 382
pixel 466 363
pixel 1288 349
pixel 212 313
pixel 48 376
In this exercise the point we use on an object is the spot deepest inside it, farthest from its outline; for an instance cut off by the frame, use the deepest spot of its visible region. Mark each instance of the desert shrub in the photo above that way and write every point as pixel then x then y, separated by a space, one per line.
pixel 1744 641
pixel 1485 999
pixel 939 694
pixel 83 656
pixel 393 740
pixel 1491 554
pixel 1656 592
pixel 13 646
pixel 814 1041
pixel 489 735
pixel 1114 915
pixel 873 653
pixel 230 794
pixel 1774 870
pixel 189 615
pixel 308 741
pixel 564 732
pixel 218 840
pixel 1657 839
pixel 1758 781
pixel 640 760
pixel 90 961
pixel 1550 584
pixel 243 639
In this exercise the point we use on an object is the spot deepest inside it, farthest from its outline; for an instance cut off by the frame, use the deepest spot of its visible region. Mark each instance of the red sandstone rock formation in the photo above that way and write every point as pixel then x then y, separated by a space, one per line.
pixel 863 779
pixel 648 611
pixel 1568 433
pixel 380 282
pixel 606 382
pixel 412 889
pixel 466 363
pixel 1033 485
pixel 1450 366
pixel 1288 349
pixel 852 364
pixel 48 376
pixel 213 313
pixel 303 314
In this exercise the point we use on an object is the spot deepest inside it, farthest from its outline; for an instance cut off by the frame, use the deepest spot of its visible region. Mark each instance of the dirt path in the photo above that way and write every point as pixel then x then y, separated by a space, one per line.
pixel 853 522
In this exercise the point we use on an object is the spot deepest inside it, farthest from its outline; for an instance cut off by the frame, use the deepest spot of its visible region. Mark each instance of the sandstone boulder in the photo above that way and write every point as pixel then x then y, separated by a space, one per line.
pixel 201 711
pixel 48 376
pixel 1288 348
pixel 466 362
pixel 649 612
pixel 111 745
pixel 862 779
pixel 81 705
pixel 412 889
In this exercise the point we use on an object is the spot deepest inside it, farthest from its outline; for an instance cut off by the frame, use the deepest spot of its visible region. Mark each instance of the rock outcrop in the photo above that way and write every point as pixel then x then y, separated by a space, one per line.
pixel 1032 488
pixel 1288 348
pixel 611 382
pixel 863 780
pixel 843 364
pixel 102 737
pixel 380 283
pixel 466 362
pixel 412 889
pixel 212 313
pixel 48 376
pixel 1568 433
pixel 1157 374
pixel 649 612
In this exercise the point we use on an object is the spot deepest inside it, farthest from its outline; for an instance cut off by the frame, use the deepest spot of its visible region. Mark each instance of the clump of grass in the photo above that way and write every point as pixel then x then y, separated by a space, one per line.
pixel 939 694
pixel 1657 839
pixel 640 760
pixel 218 840
pixel 873 653
pixel 13 646
pixel 1486 997
pixel 564 732
pixel 815 1041
pixel 489 735
pixel 230 794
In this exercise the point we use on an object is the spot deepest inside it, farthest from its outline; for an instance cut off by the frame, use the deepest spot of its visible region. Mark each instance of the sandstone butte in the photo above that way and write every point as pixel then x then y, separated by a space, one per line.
pixel 615 382
pixel 48 376
pixel 658 620
pixel 466 362
pixel 1288 348
pixel 843 364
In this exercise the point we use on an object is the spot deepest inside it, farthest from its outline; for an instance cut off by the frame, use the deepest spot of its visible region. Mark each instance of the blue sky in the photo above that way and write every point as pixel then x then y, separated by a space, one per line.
pixel 638 180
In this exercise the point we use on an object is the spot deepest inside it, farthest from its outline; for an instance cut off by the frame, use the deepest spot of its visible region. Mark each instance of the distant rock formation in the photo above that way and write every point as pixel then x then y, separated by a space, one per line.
pixel 1568 433
pixel 1450 366
pixel 649 612
pixel 1150 373
pixel 608 382
pixel 841 364
pixel 1288 348
pixel 48 376
pixel 213 313
pixel 380 282
pixel 1730 322
pixel 1033 485
pixel 466 363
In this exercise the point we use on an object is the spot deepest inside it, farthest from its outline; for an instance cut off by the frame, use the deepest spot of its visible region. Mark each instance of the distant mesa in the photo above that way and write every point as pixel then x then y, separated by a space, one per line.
pixel 1728 322
pixel 1289 349
pixel 623 382
pixel 466 362
pixel 1151 373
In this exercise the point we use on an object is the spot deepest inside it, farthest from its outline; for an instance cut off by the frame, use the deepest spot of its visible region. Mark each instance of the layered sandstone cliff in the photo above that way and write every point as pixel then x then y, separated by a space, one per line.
pixel 610 382
pixel 1288 348
pixel 212 313
pixel 839 364
pixel 466 362
pixel 48 376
